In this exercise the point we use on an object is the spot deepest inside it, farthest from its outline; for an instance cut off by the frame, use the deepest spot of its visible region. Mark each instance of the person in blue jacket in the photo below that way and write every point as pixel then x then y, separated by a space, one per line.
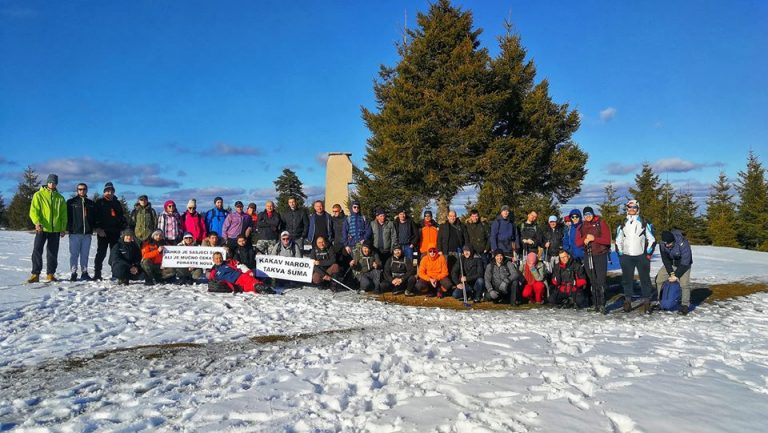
pixel 677 259
pixel 504 233
pixel 214 218
pixel 569 235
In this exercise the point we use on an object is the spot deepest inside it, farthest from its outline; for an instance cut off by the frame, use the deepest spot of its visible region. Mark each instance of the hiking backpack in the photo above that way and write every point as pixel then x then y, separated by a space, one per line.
pixel 671 296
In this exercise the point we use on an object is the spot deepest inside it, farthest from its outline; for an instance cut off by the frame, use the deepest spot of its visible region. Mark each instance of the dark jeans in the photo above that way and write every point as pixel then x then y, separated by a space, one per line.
pixel 370 280
pixel 51 252
pixel 596 273
pixel 110 240
pixel 122 271
pixel 474 290
pixel 628 265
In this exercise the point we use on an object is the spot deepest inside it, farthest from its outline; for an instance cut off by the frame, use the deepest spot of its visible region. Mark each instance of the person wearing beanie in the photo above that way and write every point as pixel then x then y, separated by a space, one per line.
pixel 504 233
pixel 433 276
pixel 467 275
pixel 253 213
pixel 427 234
pixel 355 230
pixel 152 259
pixel 553 241
pixel 635 242
pixel 214 218
pixel 81 217
pixel 677 260
pixel 407 233
pixel 569 236
pixel 399 274
pixel 501 279
pixel 594 236
pixel 383 235
pixel 366 266
pixel 533 274
pixel 188 275
pixel 109 221
pixel 169 223
pixel 193 222
pixel 48 212
pixel 125 258
pixel 143 219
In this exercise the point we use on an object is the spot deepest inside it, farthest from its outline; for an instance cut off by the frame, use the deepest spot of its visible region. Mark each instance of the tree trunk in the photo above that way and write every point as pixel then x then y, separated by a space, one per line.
pixel 442 209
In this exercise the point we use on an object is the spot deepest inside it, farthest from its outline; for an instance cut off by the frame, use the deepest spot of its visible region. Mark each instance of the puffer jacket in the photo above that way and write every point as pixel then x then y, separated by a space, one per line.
pixel 600 230
pixel 195 224
pixel 679 255
pixel 150 250
pixel 495 274
pixel 569 238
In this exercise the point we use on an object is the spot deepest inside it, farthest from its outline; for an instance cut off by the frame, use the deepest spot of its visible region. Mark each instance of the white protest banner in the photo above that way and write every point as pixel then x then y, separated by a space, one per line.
pixel 190 257
pixel 285 268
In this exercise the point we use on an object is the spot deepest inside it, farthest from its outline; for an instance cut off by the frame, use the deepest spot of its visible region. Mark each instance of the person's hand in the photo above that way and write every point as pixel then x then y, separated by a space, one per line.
pixel 463 279
pixel 433 282
pixel 672 278
pixel 590 237
pixel 349 251
pixel 439 253
pixel 460 286
pixel 63 233
pixel 38 228
pixel 352 262
pixel 134 270
pixel 317 262
pixel 160 248
pixel 397 281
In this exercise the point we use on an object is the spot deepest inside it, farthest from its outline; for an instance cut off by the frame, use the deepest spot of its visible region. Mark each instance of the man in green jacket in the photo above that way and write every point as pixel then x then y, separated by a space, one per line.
pixel 49 214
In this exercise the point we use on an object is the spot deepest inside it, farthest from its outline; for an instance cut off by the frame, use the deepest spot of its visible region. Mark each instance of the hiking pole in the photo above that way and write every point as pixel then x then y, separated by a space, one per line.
pixel 335 280
pixel 463 283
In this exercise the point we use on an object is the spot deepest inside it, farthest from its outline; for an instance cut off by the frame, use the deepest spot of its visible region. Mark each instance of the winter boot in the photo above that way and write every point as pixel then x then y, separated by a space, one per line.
pixel 122 281
pixel 97 276
pixel 645 307
pixel 683 310
pixel 50 278
pixel 34 278
pixel 73 277
pixel 627 305
pixel 85 276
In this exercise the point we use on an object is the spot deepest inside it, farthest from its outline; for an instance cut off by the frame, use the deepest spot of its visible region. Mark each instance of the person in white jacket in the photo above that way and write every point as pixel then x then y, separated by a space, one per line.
pixel 635 244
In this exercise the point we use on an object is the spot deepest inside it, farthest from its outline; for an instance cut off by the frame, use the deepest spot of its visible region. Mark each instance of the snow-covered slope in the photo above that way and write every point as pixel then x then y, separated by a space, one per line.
pixel 69 361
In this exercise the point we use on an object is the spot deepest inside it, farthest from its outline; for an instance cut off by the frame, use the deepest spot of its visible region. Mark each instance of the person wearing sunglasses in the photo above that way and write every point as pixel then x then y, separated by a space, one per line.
pixel 355 230
pixel 433 277
pixel 569 236
pixel 110 221
pixel 194 222
pixel 635 243
pixel 80 221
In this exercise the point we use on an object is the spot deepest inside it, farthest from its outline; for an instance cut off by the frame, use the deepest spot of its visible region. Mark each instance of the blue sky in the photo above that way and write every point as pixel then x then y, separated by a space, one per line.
pixel 199 98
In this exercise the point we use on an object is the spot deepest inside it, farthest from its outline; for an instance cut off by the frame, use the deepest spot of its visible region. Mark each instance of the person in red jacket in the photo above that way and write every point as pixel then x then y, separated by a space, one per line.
pixel 595 236
pixel 193 222
pixel 236 276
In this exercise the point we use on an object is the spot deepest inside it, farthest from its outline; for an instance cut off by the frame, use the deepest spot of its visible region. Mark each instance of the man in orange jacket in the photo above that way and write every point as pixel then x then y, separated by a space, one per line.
pixel 433 275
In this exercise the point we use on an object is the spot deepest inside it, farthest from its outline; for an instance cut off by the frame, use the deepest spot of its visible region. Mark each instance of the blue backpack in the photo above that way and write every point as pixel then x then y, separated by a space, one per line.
pixel 671 296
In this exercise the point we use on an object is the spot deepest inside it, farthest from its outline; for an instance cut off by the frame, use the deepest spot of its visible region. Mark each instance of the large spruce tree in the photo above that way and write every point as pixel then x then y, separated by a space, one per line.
pixel 752 218
pixel 721 216
pixel 18 210
pixel 531 149
pixel 288 185
pixel 448 116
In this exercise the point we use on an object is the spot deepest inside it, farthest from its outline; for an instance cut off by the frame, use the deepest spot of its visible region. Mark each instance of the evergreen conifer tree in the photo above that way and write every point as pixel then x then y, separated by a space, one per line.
pixel 3 212
pixel 647 191
pixel 610 209
pixel 288 185
pixel 18 210
pixel 684 217
pixel 721 216
pixel 752 218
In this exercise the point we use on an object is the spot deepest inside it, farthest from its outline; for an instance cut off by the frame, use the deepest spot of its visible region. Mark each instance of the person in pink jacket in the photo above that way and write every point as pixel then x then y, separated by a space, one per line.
pixel 193 222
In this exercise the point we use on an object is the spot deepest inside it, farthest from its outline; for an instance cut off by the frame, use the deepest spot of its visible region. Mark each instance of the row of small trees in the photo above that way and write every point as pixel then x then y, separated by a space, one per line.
pixel 729 221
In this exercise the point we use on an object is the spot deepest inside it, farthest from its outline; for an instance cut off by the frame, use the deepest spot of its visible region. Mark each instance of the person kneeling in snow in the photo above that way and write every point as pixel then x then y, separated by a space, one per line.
pixel 569 282
pixel 676 257
pixel 533 275
pixel 366 265
pixel 236 276
pixel 125 259
pixel 152 260
pixel 501 279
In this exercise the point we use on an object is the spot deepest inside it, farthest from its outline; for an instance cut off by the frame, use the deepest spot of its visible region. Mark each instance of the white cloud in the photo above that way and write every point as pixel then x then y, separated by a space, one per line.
pixel 678 165
pixel 607 114
pixel 322 159
pixel 97 172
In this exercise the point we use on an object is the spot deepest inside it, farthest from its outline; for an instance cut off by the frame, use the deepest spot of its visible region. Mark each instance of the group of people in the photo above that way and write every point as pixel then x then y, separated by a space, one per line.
pixel 562 263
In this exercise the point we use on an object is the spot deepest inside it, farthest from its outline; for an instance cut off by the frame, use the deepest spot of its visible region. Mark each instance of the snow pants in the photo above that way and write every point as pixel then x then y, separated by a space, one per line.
pixel 534 291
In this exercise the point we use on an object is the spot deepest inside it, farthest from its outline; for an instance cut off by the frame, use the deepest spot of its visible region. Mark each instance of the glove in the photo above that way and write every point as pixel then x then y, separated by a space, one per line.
pixel 244 269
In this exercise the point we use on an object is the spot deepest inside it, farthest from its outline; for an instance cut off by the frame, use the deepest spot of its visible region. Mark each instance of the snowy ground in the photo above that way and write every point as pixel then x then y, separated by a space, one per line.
pixel 83 357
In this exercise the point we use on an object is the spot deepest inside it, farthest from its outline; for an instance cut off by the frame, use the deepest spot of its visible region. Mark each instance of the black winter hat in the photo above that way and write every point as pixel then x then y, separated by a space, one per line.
pixel 588 209
pixel 108 186
pixel 427 212
pixel 52 178
pixel 667 237
pixel 497 251
pixel 217 199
